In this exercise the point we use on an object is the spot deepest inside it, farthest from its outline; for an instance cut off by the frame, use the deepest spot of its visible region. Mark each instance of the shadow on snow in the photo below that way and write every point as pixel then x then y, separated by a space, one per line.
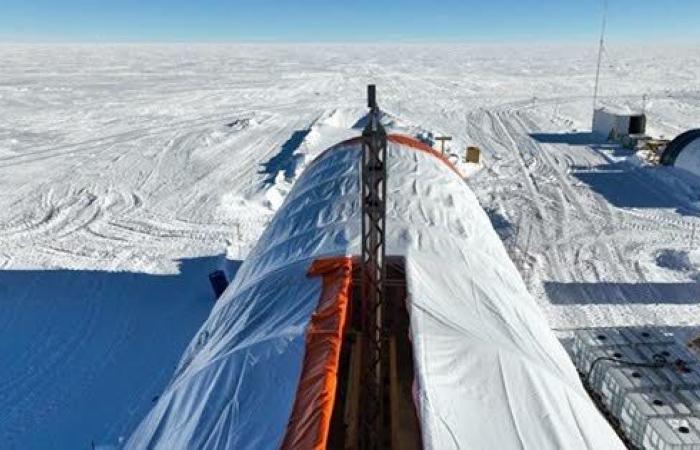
pixel 284 161
pixel 85 353
pixel 583 138
pixel 622 293
pixel 622 184
pixel 627 186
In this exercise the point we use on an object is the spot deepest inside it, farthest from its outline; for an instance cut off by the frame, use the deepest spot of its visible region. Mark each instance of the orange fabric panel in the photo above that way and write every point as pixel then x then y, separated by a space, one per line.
pixel 310 420
pixel 404 140
pixel 418 145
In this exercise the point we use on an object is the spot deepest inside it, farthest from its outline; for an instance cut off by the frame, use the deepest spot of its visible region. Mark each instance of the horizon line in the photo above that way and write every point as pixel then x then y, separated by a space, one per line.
pixel 272 41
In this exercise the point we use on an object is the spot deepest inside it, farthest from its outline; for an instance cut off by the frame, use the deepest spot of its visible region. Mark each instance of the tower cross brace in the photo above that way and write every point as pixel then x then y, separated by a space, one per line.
pixel 373 266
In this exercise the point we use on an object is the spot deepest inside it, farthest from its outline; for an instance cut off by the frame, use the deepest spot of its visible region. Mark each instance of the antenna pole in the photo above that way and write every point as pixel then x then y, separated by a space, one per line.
pixel 600 53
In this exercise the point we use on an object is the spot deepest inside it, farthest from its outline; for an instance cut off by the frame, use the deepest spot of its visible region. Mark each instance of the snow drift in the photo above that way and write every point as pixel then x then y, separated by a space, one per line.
pixel 489 372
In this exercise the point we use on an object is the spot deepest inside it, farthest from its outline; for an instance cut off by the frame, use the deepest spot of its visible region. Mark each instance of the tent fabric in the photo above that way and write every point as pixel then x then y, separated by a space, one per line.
pixel 310 421
pixel 236 383
pixel 408 142
pixel 405 141
pixel 489 371
pixel 677 145
pixel 684 152
pixel 689 158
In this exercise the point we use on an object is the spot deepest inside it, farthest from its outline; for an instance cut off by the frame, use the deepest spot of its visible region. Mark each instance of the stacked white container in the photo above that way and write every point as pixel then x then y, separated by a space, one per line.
pixel 650 383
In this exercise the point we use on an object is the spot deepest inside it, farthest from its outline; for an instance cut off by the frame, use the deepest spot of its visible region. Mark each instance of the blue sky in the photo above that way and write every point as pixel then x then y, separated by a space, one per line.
pixel 342 21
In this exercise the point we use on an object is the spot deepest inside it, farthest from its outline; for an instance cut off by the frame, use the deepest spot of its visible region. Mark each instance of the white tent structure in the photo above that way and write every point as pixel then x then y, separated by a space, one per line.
pixel 489 373
pixel 684 152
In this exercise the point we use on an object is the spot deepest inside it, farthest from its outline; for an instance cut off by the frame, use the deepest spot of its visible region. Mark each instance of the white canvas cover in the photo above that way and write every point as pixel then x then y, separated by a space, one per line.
pixel 689 157
pixel 490 373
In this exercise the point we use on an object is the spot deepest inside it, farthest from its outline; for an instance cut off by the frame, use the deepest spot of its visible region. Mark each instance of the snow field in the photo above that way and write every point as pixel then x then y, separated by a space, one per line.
pixel 127 173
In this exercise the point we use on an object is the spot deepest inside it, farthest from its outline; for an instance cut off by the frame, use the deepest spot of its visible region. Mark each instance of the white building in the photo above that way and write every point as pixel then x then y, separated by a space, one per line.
pixel 617 125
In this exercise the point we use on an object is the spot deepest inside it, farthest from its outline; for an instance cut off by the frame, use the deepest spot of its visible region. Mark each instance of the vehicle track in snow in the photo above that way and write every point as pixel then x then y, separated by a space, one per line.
pixel 592 243
pixel 596 217
pixel 89 215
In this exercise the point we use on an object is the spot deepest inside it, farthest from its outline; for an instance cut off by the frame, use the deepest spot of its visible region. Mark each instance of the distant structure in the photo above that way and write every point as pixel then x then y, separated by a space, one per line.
pixel 684 152
pixel 624 128
pixel 618 126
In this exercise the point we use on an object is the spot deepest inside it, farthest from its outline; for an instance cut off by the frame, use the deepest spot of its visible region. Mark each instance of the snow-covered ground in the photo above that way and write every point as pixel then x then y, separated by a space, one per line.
pixel 128 173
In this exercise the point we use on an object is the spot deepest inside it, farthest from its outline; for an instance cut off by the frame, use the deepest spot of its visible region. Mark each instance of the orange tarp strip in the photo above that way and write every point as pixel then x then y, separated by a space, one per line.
pixel 418 145
pixel 313 406
pixel 404 140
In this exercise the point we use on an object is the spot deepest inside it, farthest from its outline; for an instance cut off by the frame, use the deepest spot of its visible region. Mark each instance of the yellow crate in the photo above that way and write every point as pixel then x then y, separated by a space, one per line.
pixel 473 154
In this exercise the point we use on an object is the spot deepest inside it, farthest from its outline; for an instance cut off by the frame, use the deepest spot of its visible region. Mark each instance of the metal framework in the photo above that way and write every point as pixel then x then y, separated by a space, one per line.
pixel 373 266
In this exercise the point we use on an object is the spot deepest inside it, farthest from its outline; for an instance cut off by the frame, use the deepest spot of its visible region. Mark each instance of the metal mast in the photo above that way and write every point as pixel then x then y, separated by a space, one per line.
pixel 374 151
pixel 600 53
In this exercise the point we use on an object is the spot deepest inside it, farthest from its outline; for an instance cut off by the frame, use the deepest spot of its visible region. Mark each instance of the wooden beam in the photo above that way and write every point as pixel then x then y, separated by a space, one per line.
pixel 395 393
pixel 352 400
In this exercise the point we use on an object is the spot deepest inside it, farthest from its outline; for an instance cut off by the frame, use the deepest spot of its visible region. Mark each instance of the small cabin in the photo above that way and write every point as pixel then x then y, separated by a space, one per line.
pixel 618 126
